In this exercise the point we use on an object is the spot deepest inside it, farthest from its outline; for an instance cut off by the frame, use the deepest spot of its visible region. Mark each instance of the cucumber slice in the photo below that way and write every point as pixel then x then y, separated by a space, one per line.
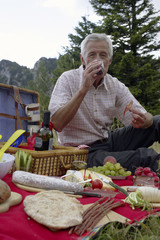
pixel 17 161
pixel 28 165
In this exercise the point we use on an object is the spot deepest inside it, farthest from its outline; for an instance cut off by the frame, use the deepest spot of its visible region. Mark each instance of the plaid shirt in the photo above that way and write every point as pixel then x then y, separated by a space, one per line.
pixel 97 110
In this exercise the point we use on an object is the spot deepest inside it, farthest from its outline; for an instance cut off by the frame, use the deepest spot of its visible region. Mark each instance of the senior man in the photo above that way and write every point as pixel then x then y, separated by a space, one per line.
pixel 84 103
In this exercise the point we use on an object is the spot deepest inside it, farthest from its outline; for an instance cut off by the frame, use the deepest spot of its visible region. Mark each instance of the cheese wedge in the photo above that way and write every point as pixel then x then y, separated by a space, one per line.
pixel 73 176
pixel 78 176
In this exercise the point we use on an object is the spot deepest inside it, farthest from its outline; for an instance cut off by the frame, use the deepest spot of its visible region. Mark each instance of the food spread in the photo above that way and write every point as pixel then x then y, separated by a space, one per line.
pixel 47 207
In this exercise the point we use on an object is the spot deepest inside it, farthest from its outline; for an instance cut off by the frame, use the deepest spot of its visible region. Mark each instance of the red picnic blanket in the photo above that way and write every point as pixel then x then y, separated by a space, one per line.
pixel 16 225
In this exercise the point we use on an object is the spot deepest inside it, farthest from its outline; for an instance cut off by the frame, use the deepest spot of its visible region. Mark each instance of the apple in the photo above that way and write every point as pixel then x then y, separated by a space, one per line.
pixel 110 159
pixel 156 178
pixel 143 174
pixel 154 174
pixel 138 173
pixel 150 174
pixel 139 169
pixel 146 170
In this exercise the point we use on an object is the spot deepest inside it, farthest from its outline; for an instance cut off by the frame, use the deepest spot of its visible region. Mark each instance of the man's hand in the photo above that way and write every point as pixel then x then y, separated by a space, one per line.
pixel 141 120
pixel 90 74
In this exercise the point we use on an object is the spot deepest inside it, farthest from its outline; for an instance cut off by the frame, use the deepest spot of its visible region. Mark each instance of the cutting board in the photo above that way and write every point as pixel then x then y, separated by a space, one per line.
pixel 36 190
pixel 13 200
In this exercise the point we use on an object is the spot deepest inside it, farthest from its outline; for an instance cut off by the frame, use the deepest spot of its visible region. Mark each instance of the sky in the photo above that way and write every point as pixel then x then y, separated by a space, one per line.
pixel 31 29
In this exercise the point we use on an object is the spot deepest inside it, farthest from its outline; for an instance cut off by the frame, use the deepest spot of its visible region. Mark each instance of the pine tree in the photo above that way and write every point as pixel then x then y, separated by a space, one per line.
pixel 43 84
pixel 133 26
pixel 71 58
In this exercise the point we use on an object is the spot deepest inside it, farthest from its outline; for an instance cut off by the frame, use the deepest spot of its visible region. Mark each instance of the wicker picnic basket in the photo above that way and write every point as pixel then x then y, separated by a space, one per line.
pixel 53 162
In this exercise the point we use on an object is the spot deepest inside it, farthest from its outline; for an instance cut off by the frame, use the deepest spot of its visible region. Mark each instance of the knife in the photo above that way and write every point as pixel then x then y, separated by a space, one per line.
pixel 87 194
pixel 112 184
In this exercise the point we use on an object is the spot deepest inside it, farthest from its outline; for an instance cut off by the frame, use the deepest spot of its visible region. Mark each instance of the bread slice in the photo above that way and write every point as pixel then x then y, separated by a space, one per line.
pixel 54 209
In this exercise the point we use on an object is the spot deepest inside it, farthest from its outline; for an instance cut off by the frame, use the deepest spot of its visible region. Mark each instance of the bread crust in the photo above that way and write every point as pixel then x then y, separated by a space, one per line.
pixel 54 209
pixel 5 191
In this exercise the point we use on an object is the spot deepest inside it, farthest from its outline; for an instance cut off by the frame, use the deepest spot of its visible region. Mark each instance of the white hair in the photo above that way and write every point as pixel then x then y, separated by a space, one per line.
pixel 97 37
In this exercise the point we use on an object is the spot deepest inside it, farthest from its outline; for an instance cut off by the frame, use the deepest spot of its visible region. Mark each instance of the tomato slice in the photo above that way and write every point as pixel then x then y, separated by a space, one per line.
pixel 89 177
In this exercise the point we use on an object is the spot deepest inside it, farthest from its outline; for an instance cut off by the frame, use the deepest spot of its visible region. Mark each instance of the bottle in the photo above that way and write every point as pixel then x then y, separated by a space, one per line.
pixel 44 136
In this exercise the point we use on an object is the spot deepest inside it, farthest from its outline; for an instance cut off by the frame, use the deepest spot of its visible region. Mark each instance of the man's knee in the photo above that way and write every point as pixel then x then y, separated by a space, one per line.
pixel 145 157
pixel 96 158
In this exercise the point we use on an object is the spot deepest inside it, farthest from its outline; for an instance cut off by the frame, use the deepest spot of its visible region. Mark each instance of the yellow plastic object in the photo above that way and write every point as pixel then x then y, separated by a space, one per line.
pixel 0 136
pixel 14 136
pixel 93 176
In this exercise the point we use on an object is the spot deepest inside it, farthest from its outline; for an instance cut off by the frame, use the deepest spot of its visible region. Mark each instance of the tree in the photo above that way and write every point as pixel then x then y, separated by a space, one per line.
pixel 71 58
pixel 43 82
pixel 85 27
pixel 65 62
pixel 133 26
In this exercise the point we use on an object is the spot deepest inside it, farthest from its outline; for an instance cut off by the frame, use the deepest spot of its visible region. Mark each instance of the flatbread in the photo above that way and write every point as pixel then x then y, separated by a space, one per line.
pixel 54 209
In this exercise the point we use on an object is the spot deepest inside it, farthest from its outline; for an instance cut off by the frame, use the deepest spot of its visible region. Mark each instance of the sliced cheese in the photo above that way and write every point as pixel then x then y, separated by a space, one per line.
pixel 73 176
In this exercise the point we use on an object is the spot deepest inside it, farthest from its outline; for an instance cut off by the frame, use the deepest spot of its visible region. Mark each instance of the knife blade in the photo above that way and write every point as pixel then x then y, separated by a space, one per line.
pixel 87 194
pixel 103 179
pixel 120 189
pixel 104 193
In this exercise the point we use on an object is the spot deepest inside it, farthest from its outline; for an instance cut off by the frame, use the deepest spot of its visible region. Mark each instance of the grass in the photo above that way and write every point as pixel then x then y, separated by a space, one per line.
pixel 148 230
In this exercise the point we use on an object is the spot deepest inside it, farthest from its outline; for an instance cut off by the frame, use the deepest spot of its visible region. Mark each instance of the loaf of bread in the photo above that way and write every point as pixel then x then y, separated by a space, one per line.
pixel 5 191
pixel 54 209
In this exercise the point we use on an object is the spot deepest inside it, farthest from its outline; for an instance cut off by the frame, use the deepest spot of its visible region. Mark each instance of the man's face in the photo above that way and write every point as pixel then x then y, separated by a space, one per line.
pixel 97 51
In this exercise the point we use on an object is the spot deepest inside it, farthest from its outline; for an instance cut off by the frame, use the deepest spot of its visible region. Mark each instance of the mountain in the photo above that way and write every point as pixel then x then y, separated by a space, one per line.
pixel 12 73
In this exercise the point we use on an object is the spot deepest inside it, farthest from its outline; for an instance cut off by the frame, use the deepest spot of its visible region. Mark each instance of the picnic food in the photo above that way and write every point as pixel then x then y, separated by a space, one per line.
pixel 79 176
pixel 144 197
pixel 140 171
pixel 128 107
pixel 110 169
pixel 54 209
pixel 150 194
pixel 23 160
pixel 14 199
pixel 45 182
pixel 97 184
pixel 5 191
pixel 94 214
pixel 106 181
pixel 89 174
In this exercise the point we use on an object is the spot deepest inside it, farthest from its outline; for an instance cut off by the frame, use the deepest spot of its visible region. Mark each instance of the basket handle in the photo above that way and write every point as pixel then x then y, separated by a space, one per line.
pixel 66 166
